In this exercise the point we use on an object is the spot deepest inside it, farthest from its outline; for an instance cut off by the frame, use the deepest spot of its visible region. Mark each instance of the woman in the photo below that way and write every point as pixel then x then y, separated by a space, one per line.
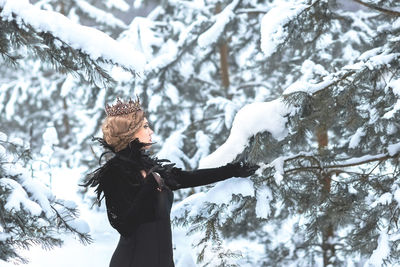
pixel 138 188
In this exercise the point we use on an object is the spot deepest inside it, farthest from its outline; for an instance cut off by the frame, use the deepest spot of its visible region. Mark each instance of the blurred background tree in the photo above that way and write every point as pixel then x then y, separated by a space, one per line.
pixel 330 185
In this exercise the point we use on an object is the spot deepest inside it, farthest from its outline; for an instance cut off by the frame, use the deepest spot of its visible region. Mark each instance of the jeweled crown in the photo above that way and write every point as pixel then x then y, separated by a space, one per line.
pixel 121 108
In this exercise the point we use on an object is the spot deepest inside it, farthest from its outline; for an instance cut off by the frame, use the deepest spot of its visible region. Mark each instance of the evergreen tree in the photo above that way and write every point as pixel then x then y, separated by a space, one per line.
pixel 50 80
pixel 97 14
pixel 70 72
pixel 29 213
pixel 332 179
pixel 329 184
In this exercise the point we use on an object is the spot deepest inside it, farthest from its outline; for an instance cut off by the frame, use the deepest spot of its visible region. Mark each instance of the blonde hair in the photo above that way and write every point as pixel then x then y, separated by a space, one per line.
pixel 118 130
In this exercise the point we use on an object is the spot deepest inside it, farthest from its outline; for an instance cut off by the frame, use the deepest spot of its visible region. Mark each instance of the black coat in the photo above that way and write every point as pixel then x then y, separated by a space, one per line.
pixel 139 211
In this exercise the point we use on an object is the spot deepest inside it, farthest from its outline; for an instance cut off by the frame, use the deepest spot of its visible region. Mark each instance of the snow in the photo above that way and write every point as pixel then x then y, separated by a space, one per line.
pixel 79 225
pixel 18 198
pixel 67 85
pixel 264 196
pixel 91 41
pixel 155 101
pixel 3 153
pixel 396 195
pixel 203 143
pixel 94 222
pixel 171 149
pixel 362 159
pixel 278 165
pixel 17 141
pixel 72 253
pixel 355 139
pixel 221 20
pixel 370 53
pixel 118 4
pixel 39 193
pixel 384 199
pixel 396 24
pixel 167 55
pixel 100 15
pixel 172 92
pixel 310 88
pixel 391 113
pixel 250 120
pixel 183 254
pixel 137 4
pixel 3 137
pixel 395 85
pixel 382 59
pixel 69 204
pixel 140 35
pixel 382 251
pixel 229 107
pixel 373 115
pixel 220 194
pixel 393 149
pixel 273 32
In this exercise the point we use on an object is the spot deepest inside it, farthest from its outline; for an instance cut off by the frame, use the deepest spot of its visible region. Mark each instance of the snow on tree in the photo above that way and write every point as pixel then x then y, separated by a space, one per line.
pixel 61 42
pixel 29 213
pixel 329 144
pixel 324 125
pixel 65 87
pixel 96 14
pixel 59 91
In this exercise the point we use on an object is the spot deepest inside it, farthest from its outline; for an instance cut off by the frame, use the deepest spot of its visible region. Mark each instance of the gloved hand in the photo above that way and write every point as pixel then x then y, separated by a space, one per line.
pixel 243 169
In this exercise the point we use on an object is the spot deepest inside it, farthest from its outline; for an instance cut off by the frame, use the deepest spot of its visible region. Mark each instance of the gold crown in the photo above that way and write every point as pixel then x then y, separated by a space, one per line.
pixel 121 108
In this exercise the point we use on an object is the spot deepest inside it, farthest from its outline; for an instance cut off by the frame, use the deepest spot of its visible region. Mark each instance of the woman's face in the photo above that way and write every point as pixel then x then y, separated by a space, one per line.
pixel 144 133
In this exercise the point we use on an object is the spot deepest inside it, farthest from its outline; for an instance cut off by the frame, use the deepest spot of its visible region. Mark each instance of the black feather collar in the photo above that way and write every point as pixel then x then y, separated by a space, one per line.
pixel 131 159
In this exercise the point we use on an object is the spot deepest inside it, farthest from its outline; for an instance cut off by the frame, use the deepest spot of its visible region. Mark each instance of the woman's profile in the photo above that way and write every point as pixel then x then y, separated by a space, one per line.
pixel 138 188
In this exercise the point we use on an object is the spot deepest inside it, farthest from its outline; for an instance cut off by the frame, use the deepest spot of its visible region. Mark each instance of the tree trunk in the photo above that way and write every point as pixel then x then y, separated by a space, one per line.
pixel 223 51
pixel 328 249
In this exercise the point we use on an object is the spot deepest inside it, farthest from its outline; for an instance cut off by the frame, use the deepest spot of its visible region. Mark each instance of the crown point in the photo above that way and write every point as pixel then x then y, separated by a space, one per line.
pixel 121 108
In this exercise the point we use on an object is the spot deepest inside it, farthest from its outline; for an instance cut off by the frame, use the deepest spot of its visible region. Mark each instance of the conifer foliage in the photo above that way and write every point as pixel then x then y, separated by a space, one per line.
pixel 45 56
pixel 29 213
pixel 48 48
pixel 327 193
pixel 332 180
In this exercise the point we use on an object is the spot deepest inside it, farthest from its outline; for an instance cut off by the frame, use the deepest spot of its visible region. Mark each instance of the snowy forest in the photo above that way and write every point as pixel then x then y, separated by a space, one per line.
pixel 307 89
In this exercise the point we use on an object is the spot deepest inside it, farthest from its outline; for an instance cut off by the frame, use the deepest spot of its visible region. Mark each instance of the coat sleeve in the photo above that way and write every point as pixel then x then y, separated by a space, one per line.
pixel 185 179
pixel 125 214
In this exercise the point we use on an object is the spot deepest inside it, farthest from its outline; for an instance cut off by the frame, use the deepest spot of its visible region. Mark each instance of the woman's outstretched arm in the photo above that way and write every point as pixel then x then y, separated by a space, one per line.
pixel 200 177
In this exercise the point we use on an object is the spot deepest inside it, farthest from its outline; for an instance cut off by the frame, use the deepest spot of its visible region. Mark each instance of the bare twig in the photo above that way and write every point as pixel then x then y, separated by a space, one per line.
pixel 345 165
pixel 380 9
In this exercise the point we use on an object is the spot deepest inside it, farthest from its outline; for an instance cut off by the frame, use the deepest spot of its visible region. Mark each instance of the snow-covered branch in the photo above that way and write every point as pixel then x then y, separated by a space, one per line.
pixel 56 34
pixel 100 15
pixel 29 212
pixel 221 20
pixel 339 164
pixel 378 8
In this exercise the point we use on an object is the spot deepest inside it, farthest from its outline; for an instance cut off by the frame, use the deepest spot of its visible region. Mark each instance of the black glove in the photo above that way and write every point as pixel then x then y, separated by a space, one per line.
pixel 243 169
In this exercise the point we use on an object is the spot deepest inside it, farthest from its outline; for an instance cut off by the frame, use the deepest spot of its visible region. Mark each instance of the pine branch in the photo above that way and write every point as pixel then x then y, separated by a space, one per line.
pixel 196 29
pixel 380 9
pixel 51 49
pixel 379 158
pixel 251 11
pixel 83 238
